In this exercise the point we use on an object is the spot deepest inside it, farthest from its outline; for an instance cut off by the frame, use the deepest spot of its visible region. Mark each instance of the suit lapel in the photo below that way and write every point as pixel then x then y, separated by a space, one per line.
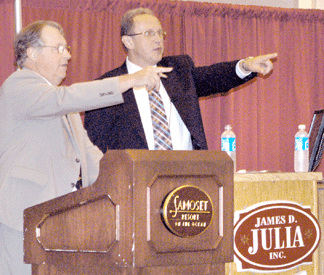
pixel 70 126
pixel 75 122
pixel 174 89
pixel 67 125
pixel 131 109
pixel 76 133
pixel 172 86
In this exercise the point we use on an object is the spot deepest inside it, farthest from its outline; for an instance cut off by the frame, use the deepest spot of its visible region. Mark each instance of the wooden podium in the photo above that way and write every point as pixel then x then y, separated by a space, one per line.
pixel 116 226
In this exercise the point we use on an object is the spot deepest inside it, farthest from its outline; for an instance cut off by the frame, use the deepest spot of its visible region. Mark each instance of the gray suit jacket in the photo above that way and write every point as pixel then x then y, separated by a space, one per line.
pixel 41 147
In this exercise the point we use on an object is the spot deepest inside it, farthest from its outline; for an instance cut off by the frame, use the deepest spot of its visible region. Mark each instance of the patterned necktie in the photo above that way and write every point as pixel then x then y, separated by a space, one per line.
pixel 161 130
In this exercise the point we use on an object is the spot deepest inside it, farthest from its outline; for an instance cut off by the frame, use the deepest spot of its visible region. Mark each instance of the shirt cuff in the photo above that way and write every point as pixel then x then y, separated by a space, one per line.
pixel 239 72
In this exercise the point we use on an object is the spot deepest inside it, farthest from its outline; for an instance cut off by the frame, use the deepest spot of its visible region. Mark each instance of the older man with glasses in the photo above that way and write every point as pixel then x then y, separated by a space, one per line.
pixel 44 148
pixel 178 125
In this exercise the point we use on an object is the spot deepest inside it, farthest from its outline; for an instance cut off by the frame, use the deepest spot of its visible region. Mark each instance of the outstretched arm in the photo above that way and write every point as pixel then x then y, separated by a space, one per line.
pixel 148 77
pixel 260 64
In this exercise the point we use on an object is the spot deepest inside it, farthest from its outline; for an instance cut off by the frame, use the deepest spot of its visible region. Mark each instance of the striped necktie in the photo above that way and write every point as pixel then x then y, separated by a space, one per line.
pixel 161 130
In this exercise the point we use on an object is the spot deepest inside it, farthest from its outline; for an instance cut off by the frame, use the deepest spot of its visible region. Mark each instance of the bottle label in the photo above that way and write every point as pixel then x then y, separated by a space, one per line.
pixel 301 143
pixel 228 145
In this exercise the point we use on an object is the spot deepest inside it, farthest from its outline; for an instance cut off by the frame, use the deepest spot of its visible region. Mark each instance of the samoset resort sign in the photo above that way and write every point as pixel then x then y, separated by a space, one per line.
pixel 187 211
pixel 274 236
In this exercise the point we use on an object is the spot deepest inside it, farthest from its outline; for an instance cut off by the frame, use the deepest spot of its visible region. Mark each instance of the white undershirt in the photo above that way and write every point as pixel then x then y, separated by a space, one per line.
pixel 181 138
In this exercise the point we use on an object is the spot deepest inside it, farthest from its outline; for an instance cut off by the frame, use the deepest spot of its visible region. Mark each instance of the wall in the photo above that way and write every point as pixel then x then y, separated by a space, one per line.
pixel 292 4
pixel 272 3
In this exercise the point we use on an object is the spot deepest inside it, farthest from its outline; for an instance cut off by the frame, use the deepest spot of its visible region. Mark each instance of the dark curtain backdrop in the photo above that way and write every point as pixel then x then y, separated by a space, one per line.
pixel 264 114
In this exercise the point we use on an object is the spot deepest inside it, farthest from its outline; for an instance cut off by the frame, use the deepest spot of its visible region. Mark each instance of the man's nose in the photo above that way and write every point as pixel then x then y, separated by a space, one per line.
pixel 66 54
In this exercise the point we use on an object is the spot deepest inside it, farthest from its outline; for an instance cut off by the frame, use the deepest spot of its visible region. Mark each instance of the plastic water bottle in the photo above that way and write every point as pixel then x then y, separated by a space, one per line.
pixel 301 156
pixel 228 143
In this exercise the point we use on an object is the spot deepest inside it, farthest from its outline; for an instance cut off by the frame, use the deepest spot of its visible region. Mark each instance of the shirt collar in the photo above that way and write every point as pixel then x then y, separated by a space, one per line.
pixel 132 68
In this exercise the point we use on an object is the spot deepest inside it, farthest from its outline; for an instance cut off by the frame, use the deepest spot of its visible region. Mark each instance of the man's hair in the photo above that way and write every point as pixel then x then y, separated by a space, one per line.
pixel 30 36
pixel 127 22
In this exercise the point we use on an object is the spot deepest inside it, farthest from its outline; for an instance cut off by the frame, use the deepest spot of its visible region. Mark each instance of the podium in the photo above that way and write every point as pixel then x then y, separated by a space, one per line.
pixel 149 212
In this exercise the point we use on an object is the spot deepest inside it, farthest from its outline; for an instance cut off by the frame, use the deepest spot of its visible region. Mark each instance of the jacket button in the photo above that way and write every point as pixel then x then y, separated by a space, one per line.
pixel 77 160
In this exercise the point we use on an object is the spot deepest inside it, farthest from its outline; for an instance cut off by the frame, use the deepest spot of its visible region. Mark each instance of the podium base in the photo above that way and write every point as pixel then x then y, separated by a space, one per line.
pixel 209 269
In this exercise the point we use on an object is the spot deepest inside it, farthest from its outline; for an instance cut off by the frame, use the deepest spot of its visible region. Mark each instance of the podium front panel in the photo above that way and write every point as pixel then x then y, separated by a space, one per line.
pixel 119 221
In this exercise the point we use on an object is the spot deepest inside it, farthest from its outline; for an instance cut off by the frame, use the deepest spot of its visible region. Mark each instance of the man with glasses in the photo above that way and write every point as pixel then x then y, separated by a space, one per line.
pixel 133 125
pixel 43 145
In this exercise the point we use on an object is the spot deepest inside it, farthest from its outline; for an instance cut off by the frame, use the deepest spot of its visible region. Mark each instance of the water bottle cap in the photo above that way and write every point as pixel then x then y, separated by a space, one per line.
pixel 228 127
pixel 302 127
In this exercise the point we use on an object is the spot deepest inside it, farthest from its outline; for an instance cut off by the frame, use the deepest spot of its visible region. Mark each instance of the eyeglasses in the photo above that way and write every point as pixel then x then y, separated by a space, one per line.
pixel 150 34
pixel 60 49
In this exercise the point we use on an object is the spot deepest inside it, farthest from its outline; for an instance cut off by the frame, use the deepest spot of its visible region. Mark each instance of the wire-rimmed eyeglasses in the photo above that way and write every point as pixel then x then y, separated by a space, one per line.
pixel 150 33
pixel 60 49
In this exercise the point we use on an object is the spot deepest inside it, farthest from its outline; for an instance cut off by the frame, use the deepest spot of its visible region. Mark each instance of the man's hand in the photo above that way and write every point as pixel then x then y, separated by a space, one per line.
pixel 260 64
pixel 148 77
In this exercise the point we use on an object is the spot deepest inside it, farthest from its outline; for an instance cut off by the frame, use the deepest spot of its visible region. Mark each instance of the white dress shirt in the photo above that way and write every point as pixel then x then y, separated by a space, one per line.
pixel 181 138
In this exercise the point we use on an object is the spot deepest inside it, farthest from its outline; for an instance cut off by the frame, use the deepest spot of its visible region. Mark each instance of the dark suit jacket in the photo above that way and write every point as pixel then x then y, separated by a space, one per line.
pixel 120 126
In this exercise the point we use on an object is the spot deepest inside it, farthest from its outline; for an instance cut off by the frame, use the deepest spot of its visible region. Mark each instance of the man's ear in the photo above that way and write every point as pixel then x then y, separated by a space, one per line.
pixel 32 53
pixel 127 41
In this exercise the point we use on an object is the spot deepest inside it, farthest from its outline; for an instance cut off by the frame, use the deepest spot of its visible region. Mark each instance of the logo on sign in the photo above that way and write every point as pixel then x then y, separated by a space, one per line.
pixel 274 236
pixel 187 211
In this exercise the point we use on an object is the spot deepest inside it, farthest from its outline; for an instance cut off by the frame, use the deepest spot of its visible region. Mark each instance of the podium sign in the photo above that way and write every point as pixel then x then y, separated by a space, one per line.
pixel 188 211
pixel 275 224
pixel 149 212
pixel 275 236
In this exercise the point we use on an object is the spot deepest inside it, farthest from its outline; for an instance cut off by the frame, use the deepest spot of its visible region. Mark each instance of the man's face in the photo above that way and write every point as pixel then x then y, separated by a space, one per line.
pixel 49 63
pixel 146 50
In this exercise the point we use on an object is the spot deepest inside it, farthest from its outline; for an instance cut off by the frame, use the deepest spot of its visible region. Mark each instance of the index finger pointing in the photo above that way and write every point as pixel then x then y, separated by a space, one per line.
pixel 163 69
pixel 269 56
